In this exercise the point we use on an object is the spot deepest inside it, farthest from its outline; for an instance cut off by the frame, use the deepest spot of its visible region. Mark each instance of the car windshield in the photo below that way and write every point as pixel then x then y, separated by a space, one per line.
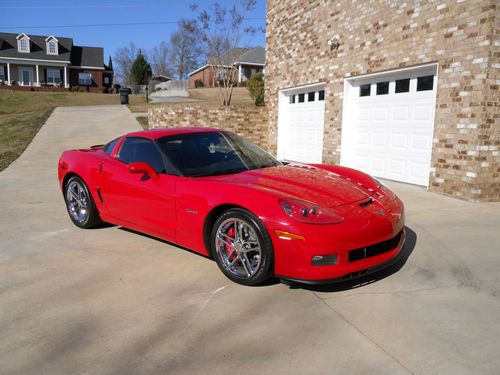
pixel 213 153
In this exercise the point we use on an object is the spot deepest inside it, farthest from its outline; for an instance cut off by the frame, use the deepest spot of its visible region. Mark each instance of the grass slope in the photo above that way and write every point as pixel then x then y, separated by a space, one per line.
pixel 22 114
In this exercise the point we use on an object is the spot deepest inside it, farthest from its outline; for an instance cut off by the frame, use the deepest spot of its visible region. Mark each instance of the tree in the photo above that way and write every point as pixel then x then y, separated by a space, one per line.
pixel 110 63
pixel 124 58
pixel 221 31
pixel 185 48
pixel 141 70
pixel 159 57
pixel 255 86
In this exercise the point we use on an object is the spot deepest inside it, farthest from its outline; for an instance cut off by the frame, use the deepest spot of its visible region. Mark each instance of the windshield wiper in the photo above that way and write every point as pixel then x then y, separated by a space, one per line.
pixel 218 173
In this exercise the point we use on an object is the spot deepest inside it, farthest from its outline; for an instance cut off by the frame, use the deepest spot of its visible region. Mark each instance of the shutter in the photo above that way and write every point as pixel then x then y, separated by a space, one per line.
pixel 45 75
pixel 61 75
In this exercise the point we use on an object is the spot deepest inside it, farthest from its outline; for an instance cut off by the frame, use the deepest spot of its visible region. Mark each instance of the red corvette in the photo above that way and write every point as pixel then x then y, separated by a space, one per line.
pixel 211 191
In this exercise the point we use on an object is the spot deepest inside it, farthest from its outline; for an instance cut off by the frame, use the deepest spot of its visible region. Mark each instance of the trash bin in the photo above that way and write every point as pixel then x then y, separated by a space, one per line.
pixel 124 95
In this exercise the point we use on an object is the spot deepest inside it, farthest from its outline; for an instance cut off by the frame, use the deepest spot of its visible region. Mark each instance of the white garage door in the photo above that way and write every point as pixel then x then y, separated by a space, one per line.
pixel 389 122
pixel 301 124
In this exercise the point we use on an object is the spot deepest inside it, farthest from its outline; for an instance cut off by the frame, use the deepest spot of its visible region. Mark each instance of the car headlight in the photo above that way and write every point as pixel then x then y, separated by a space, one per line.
pixel 308 212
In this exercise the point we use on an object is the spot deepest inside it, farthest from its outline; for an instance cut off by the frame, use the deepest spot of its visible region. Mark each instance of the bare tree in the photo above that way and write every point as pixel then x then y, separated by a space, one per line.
pixel 123 60
pixel 185 48
pixel 222 30
pixel 159 58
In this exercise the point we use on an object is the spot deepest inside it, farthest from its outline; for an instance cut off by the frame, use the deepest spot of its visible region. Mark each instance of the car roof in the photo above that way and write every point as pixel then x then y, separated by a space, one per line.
pixel 160 133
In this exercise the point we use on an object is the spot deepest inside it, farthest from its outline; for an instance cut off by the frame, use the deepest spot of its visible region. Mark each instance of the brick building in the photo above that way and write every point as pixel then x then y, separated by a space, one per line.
pixel 402 90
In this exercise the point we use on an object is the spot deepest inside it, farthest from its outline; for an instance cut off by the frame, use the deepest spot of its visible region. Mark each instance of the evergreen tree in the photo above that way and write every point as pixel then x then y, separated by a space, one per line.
pixel 110 63
pixel 141 70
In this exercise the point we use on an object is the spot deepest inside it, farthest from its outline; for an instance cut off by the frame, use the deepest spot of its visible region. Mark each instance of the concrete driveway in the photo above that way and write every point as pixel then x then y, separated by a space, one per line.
pixel 110 301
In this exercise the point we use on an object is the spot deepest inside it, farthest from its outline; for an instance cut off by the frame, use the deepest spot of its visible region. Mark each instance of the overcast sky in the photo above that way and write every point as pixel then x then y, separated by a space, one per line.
pixel 35 17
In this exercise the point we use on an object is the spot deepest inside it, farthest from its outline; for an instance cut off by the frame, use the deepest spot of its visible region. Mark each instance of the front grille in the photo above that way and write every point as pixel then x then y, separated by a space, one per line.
pixel 374 250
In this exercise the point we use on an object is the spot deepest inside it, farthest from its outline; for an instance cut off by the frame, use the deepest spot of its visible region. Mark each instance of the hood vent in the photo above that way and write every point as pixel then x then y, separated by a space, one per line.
pixel 367 203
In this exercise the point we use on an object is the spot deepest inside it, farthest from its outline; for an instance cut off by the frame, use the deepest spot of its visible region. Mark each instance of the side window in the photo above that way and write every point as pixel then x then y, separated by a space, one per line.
pixel 108 147
pixel 141 149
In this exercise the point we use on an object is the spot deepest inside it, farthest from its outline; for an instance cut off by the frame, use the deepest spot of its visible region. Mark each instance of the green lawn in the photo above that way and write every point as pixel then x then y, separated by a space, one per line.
pixel 22 114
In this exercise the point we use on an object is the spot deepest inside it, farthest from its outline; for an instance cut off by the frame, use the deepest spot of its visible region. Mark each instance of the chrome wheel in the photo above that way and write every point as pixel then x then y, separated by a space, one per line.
pixel 77 201
pixel 238 248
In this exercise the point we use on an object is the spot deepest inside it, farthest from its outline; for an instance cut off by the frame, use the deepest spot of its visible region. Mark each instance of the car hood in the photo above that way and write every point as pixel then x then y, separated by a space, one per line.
pixel 301 181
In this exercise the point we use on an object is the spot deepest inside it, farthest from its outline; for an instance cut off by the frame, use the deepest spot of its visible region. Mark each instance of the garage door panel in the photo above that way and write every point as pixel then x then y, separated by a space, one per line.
pixel 390 135
pixel 301 127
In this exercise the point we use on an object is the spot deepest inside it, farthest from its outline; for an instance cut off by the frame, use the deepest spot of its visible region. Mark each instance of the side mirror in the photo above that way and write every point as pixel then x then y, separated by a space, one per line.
pixel 143 168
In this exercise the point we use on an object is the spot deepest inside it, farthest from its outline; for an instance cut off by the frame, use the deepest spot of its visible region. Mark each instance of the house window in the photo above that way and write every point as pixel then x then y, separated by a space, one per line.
pixel 425 83
pixel 292 99
pixel 85 79
pixel 301 98
pixel 23 45
pixel 53 76
pixel 52 48
pixel 383 88
pixel 364 90
pixel 321 95
pixel 310 96
pixel 2 73
pixel 402 85
pixel 106 80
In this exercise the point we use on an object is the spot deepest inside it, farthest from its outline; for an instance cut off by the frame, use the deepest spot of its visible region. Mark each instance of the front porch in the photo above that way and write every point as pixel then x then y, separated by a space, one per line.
pixel 28 74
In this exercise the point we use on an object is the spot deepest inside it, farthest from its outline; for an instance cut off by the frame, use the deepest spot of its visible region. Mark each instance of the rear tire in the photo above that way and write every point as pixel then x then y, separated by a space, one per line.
pixel 242 247
pixel 80 205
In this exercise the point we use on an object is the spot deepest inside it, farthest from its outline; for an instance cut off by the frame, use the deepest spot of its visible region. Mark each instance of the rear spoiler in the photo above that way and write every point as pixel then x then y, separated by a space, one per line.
pixel 96 146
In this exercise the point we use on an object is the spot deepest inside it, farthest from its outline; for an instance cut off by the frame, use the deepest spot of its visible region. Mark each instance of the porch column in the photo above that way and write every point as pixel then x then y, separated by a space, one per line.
pixel 37 77
pixel 8 74
pixel 239 73
pixel 66 76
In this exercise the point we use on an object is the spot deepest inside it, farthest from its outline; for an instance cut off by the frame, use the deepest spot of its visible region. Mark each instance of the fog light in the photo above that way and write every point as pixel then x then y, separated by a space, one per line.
pixel 324 260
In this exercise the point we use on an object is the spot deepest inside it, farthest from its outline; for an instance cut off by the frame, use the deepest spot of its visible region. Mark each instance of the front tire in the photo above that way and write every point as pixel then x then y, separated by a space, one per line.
pixel 242 247
pixel 80 205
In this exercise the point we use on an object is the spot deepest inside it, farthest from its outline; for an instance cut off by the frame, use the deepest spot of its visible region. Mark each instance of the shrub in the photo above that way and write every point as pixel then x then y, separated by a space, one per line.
pixel 116 88
pixel 199 84
pixel 255 86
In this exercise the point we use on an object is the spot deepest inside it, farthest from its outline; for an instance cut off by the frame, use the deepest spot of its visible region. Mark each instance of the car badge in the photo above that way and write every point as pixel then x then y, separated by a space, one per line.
pixel 379 212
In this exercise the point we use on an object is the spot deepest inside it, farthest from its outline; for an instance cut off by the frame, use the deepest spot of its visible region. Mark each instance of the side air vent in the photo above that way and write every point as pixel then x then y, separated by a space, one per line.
pixel 367 203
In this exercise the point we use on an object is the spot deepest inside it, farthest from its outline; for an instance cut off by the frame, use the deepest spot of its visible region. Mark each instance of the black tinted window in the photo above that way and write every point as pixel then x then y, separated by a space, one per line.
pixel 213 153
pixel 321 95
pixel 301 98
pixel 425 83
pixel 292 99
pixel 402 85
pixel 310 96
pixel 364 90
pixel 108 147
pixel 382 88
pixel 141 149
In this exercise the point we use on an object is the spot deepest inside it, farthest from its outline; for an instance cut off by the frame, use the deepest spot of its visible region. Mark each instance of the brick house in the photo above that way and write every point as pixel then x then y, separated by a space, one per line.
pixel 406 91
pixel 244 62
pixel 34 62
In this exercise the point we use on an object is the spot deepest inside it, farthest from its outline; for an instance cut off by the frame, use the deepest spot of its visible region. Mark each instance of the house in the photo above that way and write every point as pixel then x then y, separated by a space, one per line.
pixel 34 62
pixel 244 62
pixel 405 91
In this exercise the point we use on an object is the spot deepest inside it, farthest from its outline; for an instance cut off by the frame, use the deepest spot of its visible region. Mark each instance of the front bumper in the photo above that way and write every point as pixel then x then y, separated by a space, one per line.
pixel 369 239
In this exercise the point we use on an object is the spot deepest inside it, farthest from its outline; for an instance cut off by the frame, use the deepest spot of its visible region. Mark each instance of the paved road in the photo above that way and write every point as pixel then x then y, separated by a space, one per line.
pixel 109 301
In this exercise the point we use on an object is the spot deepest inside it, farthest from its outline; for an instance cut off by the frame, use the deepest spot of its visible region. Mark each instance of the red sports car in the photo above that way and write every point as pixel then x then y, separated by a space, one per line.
pixel 211 191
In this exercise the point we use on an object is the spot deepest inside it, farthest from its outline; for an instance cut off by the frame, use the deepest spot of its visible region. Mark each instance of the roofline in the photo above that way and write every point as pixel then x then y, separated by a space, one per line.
pixel 22 58
pixel 41 36
pixel 248 63
pixel 51 37
pixel 206 66
pixel 86 67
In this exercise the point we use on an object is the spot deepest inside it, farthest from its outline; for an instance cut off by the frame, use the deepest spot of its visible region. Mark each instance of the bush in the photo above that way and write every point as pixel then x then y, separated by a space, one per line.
pixel 255 86
pixel 116 88
pixel 199 84
pixel 105 90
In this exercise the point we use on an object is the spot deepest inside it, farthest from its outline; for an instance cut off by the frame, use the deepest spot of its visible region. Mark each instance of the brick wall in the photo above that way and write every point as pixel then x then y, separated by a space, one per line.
pixel 249 122
pixel 462 36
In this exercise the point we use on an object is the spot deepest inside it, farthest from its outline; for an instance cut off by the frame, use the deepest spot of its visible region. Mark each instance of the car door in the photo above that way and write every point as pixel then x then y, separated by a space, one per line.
pixel 142 202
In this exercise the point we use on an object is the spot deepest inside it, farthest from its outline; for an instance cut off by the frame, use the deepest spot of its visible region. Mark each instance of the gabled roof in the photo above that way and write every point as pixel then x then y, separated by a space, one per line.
pixel 255 55
pixel 38 47
pixel 23 35
pixel 87 56
pixel 51 37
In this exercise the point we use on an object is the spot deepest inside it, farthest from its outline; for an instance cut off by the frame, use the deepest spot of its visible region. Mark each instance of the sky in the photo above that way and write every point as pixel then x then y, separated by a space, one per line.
pixel 40 18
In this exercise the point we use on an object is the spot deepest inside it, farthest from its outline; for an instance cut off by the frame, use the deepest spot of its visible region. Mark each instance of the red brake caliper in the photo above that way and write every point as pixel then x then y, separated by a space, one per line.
pixel 231 232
